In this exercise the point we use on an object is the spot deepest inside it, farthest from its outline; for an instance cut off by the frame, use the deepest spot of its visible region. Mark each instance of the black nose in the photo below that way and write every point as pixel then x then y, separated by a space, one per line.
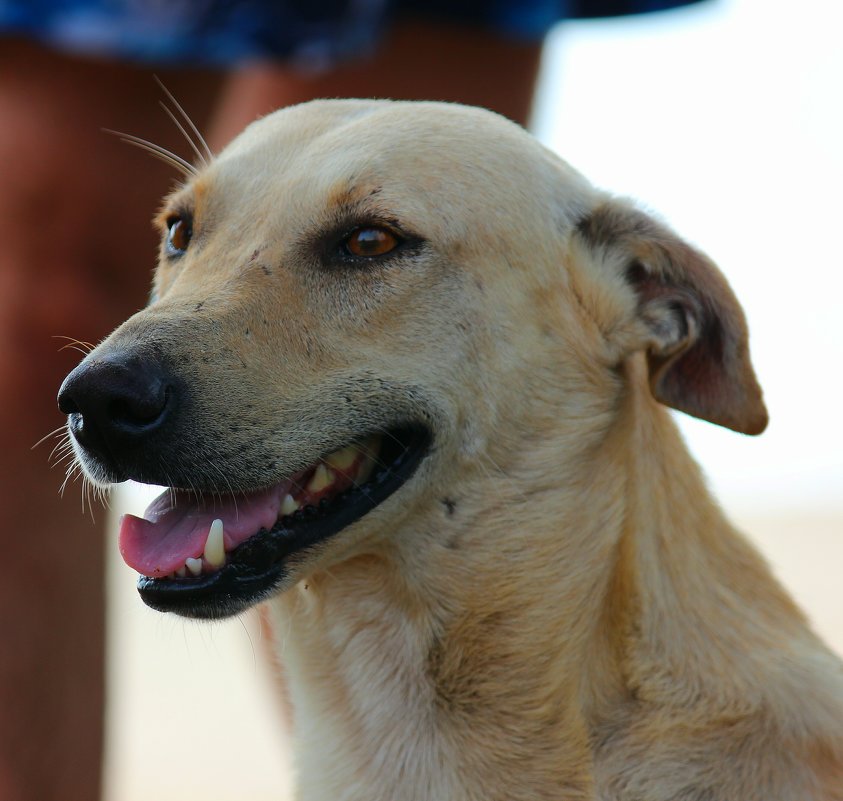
pixel 116 403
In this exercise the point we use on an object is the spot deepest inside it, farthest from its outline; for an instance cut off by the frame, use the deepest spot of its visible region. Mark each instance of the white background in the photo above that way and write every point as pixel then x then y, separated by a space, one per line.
pixel 727 120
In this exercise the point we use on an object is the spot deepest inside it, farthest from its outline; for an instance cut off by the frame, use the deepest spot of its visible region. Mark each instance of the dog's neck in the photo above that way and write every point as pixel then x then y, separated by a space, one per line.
pixel 485 663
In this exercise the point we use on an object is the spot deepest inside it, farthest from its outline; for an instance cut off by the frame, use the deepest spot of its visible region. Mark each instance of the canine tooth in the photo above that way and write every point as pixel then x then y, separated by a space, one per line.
pixel 343 458
pixel 323 477
pixel 214 547
pixel 193 565
pixel 365 470
pixel 288 505
pixel 181 572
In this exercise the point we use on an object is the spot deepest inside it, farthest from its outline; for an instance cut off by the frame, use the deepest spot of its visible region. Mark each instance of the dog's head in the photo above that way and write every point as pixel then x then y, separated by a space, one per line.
pixel 359 303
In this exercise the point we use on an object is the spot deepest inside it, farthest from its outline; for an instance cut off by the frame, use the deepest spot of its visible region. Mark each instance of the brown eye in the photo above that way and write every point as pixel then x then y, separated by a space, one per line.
pixel 369 242
pixel 178 235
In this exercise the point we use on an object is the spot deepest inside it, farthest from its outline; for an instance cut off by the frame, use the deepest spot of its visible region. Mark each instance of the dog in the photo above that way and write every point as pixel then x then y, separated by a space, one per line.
pixel 407 376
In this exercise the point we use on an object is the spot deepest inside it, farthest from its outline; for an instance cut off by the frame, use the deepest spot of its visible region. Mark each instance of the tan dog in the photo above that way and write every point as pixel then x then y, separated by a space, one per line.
pixel 415 366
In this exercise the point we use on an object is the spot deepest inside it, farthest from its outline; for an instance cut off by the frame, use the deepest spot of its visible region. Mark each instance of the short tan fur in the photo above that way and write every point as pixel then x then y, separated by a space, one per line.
pixel 553 606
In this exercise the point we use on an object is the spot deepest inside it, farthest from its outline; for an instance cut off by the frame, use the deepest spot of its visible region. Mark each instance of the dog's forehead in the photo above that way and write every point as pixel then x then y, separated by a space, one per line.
pixel 364 129
pixel 336 149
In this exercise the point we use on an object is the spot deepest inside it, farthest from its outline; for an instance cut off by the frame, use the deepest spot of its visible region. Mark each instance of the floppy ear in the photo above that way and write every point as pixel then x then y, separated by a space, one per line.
pixel 694 329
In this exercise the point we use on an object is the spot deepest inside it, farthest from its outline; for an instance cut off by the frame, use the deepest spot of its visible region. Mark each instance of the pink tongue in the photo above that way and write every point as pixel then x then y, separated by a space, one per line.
pixel 176 526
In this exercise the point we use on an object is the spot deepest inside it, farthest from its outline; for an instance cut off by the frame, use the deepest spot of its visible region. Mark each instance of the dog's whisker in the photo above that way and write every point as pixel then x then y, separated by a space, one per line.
pixel 64 447
pixel 61 459
pixel 76 344
pixel 65 443
pixel 231 492
pixel 192 491
pixel 161 153
pixel 170 489
pixel 172 116
pixel 67 477
pixel 217 494
pixel 57 455
pixel 208 156
pixel 54 433
pixel 251 642
pixel 86 496
pixel 84 492
pixel 105 497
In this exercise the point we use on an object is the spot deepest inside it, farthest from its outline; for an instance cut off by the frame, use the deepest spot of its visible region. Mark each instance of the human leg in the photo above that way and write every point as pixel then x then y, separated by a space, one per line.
pixel 76 257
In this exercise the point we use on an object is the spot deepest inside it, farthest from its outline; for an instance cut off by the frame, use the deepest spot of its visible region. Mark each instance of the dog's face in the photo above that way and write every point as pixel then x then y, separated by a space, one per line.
pixel 357 306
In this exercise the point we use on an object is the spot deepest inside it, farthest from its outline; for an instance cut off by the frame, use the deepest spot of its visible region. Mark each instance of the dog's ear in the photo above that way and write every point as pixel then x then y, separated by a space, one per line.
pixel 691 325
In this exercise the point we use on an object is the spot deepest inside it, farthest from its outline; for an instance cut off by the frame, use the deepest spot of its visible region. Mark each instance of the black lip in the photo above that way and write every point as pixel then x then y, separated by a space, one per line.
pixel 256 567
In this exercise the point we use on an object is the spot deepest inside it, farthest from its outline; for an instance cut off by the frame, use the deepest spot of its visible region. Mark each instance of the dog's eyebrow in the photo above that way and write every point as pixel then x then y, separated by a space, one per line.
pixel 352 209
pixel 350 192
pixel 188 198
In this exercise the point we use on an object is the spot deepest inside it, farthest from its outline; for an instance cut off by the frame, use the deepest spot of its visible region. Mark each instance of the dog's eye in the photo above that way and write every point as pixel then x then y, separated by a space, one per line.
pixel 371 241
pixel 178 235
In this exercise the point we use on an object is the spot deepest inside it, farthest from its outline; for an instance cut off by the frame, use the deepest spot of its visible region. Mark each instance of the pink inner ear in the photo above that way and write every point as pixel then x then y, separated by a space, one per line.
pixel 698 352
pixel 672 313
pixel 699 363
pixel 709 375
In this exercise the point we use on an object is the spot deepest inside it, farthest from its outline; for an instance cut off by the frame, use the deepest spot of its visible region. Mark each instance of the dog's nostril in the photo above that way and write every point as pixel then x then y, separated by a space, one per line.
pixel 138 410
pixel 66 403
pixel 117 402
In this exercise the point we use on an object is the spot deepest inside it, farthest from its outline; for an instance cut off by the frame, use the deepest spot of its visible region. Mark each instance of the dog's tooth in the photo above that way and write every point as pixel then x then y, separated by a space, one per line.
pixel 365 470
pixel 343 458
pixel 322 477
pixel 288 505
pixel 370 449
pixel 193 565
pixel 214 547
pixel 181 572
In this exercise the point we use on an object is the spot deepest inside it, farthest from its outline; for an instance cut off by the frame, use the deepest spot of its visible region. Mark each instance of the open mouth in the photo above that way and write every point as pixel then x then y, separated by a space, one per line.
pixel 214 555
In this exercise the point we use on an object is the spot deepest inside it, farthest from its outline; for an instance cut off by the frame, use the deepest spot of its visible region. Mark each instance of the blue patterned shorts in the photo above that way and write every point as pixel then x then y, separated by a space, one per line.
pixel 315 32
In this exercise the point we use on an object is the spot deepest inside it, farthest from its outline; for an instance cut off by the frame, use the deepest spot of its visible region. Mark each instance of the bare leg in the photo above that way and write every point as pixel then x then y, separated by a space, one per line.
pixel 417 61
pixel 76 257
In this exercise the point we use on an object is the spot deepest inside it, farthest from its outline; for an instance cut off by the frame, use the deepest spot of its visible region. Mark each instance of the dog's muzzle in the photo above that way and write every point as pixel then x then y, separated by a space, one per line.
pixel 211 551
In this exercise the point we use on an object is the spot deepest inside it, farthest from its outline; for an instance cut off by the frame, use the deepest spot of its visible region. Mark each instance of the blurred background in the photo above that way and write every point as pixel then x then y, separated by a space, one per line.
pixel 725 119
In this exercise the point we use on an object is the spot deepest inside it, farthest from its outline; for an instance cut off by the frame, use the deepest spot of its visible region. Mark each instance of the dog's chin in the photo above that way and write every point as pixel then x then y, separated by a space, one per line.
pixel 258 556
